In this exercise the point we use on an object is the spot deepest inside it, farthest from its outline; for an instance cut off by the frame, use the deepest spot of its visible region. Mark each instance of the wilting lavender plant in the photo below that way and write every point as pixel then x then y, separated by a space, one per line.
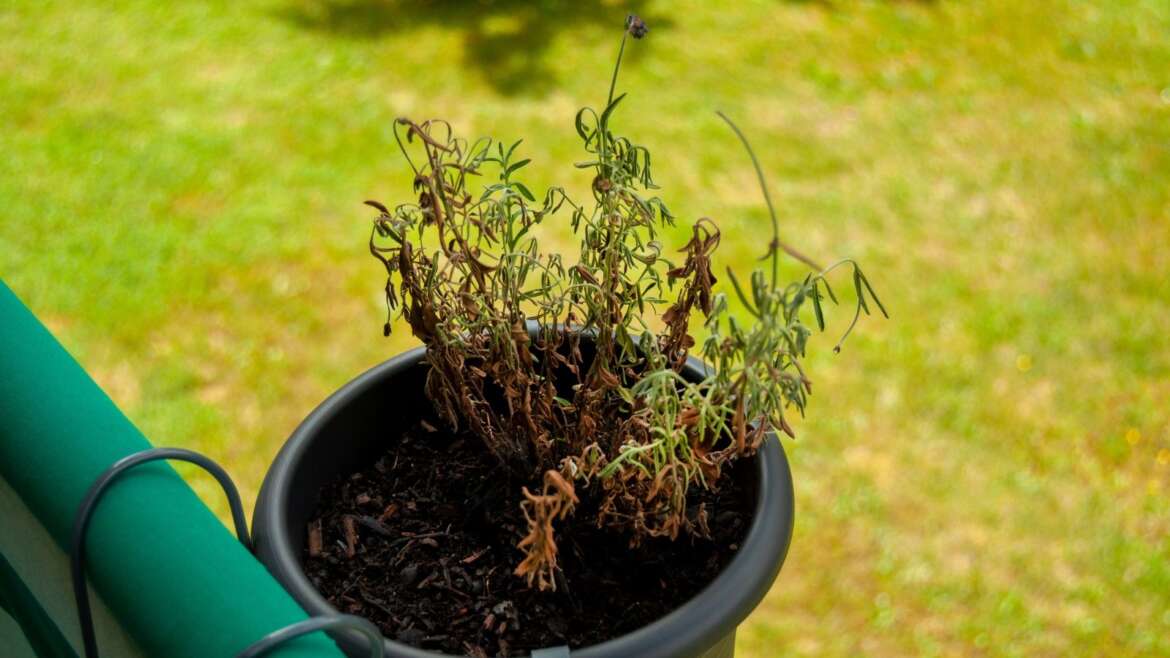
pixel 594 398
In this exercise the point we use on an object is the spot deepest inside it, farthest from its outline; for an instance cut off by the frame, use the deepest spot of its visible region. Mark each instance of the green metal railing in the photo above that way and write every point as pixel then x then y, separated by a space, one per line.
pixel 167 577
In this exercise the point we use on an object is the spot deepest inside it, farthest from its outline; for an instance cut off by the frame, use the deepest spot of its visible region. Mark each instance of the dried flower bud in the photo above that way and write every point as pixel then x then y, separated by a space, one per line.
pixel 636 26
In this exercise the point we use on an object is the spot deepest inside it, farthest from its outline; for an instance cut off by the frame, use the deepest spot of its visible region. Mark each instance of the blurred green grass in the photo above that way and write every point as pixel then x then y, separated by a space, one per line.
pixel 987 474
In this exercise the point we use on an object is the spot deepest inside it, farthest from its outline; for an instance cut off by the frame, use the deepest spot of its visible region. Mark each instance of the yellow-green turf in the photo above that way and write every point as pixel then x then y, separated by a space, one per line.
pixel 986 474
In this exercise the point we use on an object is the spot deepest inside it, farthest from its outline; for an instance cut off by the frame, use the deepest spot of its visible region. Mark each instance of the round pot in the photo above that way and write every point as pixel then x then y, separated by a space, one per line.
pixel 349 429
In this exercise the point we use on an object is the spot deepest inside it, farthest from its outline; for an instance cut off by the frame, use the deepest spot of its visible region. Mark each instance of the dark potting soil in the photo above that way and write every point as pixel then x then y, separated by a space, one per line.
pixel 423 543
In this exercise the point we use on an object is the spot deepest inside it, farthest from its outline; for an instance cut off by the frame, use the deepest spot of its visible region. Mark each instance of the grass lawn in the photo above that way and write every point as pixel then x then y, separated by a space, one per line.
pixel 986 474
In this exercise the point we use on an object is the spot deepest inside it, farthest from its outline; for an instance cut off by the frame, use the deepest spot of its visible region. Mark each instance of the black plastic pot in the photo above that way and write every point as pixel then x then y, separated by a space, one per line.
pixel 349 430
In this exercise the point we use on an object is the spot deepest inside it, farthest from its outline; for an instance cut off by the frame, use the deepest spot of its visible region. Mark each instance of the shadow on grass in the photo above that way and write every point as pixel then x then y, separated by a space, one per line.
pixel 505 40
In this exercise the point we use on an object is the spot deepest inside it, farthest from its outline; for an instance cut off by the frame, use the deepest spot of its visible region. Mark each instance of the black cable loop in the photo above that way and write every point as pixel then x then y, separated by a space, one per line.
pixel 311 625
pixel 89 502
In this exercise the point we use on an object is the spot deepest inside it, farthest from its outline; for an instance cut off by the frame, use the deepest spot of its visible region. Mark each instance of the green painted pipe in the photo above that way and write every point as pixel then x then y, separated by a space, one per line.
pixel 175 578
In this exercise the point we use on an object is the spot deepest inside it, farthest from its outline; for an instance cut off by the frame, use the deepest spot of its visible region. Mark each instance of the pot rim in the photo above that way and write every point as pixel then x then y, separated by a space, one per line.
pixel 689 629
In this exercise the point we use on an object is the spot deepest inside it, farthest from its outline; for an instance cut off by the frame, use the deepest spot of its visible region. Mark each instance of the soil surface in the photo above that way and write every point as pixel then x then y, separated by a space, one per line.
pixel 423 543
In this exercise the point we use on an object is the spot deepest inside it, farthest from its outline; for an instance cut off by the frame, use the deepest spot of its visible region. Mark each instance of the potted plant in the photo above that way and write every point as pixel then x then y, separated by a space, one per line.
pixel 552 469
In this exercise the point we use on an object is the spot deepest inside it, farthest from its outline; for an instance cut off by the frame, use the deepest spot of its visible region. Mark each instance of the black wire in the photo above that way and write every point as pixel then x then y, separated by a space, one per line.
pixel 90 501
pixel 311 625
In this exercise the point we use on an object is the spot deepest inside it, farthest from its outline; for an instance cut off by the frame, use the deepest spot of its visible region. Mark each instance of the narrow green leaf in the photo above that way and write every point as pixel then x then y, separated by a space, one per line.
pixel 524 190
pixel 513 167
pixel 513 148
pixel 829 289
pixel 739 293
pixel 580 123
pixel 816 298
pixel 609 110
pixel 874 295
pixel 858 289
